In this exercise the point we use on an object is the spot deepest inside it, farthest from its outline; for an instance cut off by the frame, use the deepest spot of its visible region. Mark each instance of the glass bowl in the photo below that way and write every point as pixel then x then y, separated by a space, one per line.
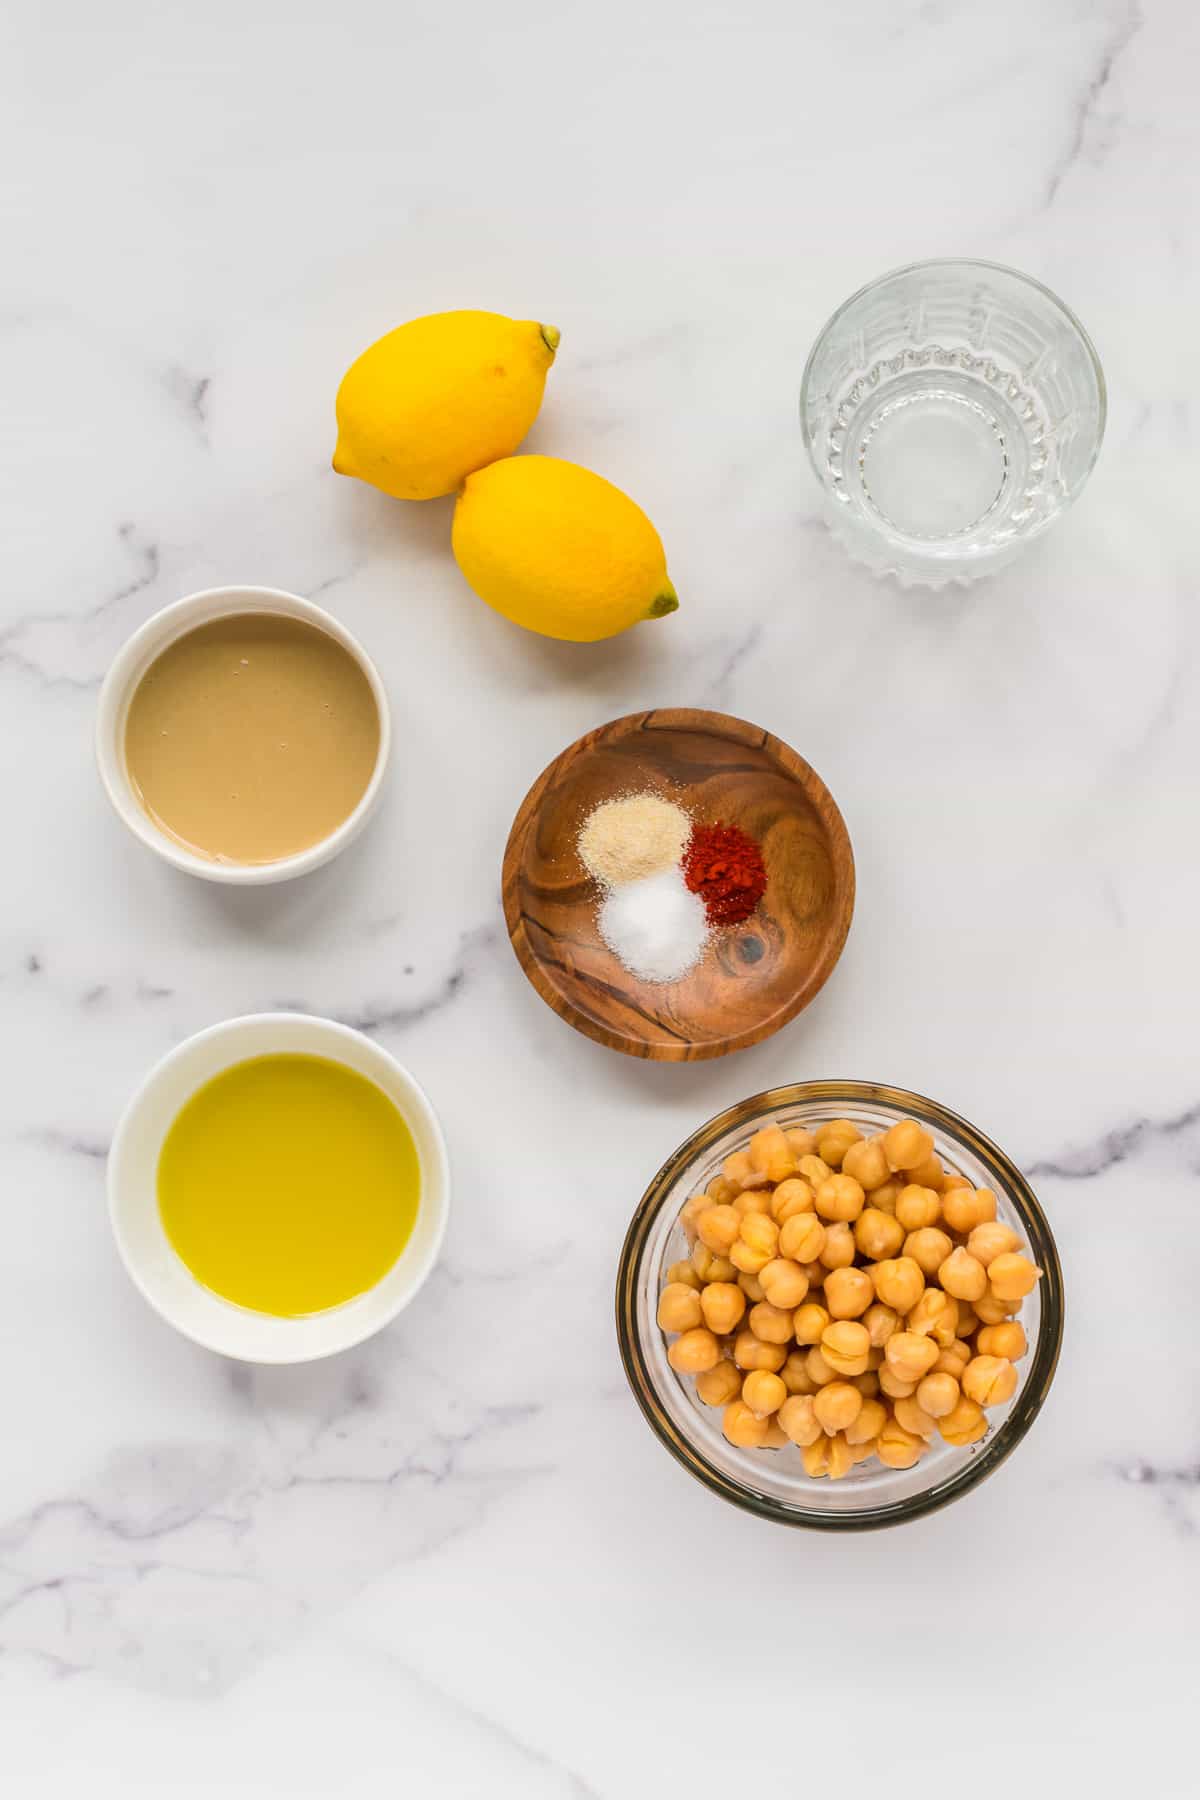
pixel 772 1483
pixel 952 411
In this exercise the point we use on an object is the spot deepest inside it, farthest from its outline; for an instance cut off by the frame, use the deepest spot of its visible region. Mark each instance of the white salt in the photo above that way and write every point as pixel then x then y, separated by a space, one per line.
pixel 655 926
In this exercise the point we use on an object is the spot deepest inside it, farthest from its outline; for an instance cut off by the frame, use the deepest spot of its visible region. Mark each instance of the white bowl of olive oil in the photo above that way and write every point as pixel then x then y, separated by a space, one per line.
pixel 278 1188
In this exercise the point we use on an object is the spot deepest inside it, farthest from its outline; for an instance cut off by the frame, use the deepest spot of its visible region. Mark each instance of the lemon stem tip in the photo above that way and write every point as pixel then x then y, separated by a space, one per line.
pixel 551 337
pixel 663 604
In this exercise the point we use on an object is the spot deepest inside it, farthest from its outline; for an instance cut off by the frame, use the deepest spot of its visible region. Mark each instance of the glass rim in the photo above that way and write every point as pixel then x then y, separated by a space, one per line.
pixel 962 262
pixel 1034 1388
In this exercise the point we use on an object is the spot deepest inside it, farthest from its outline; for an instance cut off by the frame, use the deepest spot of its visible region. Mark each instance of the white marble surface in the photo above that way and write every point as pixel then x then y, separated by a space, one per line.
pixel 456 1562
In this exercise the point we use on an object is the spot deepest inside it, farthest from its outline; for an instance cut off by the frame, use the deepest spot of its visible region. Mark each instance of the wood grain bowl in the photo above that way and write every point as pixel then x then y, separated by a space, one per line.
pixel 754 977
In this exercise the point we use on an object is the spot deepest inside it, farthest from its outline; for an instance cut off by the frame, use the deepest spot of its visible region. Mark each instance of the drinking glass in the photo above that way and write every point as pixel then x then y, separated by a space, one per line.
pixel 952 410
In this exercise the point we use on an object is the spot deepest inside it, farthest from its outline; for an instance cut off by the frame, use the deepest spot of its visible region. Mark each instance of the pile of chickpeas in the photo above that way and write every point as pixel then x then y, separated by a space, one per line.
pixel 849 1295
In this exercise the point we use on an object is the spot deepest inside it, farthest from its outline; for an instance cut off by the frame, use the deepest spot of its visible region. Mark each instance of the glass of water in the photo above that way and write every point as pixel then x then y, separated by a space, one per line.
pixel 952 410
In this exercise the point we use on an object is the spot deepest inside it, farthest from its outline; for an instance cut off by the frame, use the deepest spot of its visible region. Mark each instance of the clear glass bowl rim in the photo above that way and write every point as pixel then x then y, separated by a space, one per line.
pixel 1037 1378
pixel 960 262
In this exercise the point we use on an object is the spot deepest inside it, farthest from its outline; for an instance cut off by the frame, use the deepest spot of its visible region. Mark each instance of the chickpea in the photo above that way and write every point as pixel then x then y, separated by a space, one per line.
pixel 912 1415
pixel 816 1272
pixel 773 1324
pixel 848 1293
pixel 820 1371
pixel 801 1142
pixel 839 1251
pixel 874 1358
pixel 928 1248
pixel 753 1200
pixel 867 1384
pixel 937 1393
pixel 1007 1340
pixel 985 1205
pixel 963 1208
pixel 891 1385
pixel 845 1347
pixel 808 1322
pixel 884 1198
pixel 784 1283
pixel 990 1240
pixel 898 1448
pixel 751 1286
pixel 965 1425
pixel 685 1273
pixel 862 1452
pixel 837 1406
pixel 718 1226
pixel 917 1207
pixel 834 1139
pixel 929 1173
pixel 722 1305
pixel 880 1321
pixel 935 1316
pixel 744 1428
pixel 776 1438
pixel 964 1277
pixel 690 1214
pixel 750 1352
pixel 709 1266
pixel 746 1259
pixel 909 1355
pixel 799 1420
pixel 815 1170
pixel 720 1384
pixel 802 1239
pixel 815 1457
pixel 740 1172
pixel 954 1359
pixel 867 1163
pixel 694 1352
pixel 720 1190
pixel 877 1234
pixel 899 1282
pixel 872 1418
pixel 968 1319
pixel 771 1154
pixel 763 1392
pixel 795 1376
pixel 992 1311
pixel 760 1232
pixel 840 1198
pixel 678 1307
pixel 841 1458
pixel 1012 1277
pixel 791 1197
pixel 906 1144
pixel 989 1380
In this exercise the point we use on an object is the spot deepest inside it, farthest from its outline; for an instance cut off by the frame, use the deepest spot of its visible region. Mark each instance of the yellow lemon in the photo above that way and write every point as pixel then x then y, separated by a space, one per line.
pixel 559 550
pixel 439 397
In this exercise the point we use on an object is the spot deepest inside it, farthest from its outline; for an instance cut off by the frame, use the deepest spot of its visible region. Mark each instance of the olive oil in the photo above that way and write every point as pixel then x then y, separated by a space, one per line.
pixel 289 1184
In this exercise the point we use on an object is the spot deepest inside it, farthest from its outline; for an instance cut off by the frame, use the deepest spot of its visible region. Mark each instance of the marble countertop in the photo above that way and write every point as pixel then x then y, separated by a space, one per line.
pixel 455 1562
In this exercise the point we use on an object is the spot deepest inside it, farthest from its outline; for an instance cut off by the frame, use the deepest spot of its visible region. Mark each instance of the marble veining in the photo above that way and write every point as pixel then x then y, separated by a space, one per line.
pixel 454 1559
pixel 1119 1145
pixel 1095 127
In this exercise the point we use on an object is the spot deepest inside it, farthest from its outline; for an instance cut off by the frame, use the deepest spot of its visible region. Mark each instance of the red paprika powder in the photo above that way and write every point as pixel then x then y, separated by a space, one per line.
pixel 725 867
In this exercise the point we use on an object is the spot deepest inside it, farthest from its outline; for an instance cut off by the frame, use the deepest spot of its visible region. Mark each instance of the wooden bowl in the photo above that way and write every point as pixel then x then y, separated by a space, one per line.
pixel 754 977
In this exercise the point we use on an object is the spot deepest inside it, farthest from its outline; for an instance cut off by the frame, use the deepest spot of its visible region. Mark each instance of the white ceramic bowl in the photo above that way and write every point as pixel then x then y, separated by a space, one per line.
pixel 161 1275
pixel 131 663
